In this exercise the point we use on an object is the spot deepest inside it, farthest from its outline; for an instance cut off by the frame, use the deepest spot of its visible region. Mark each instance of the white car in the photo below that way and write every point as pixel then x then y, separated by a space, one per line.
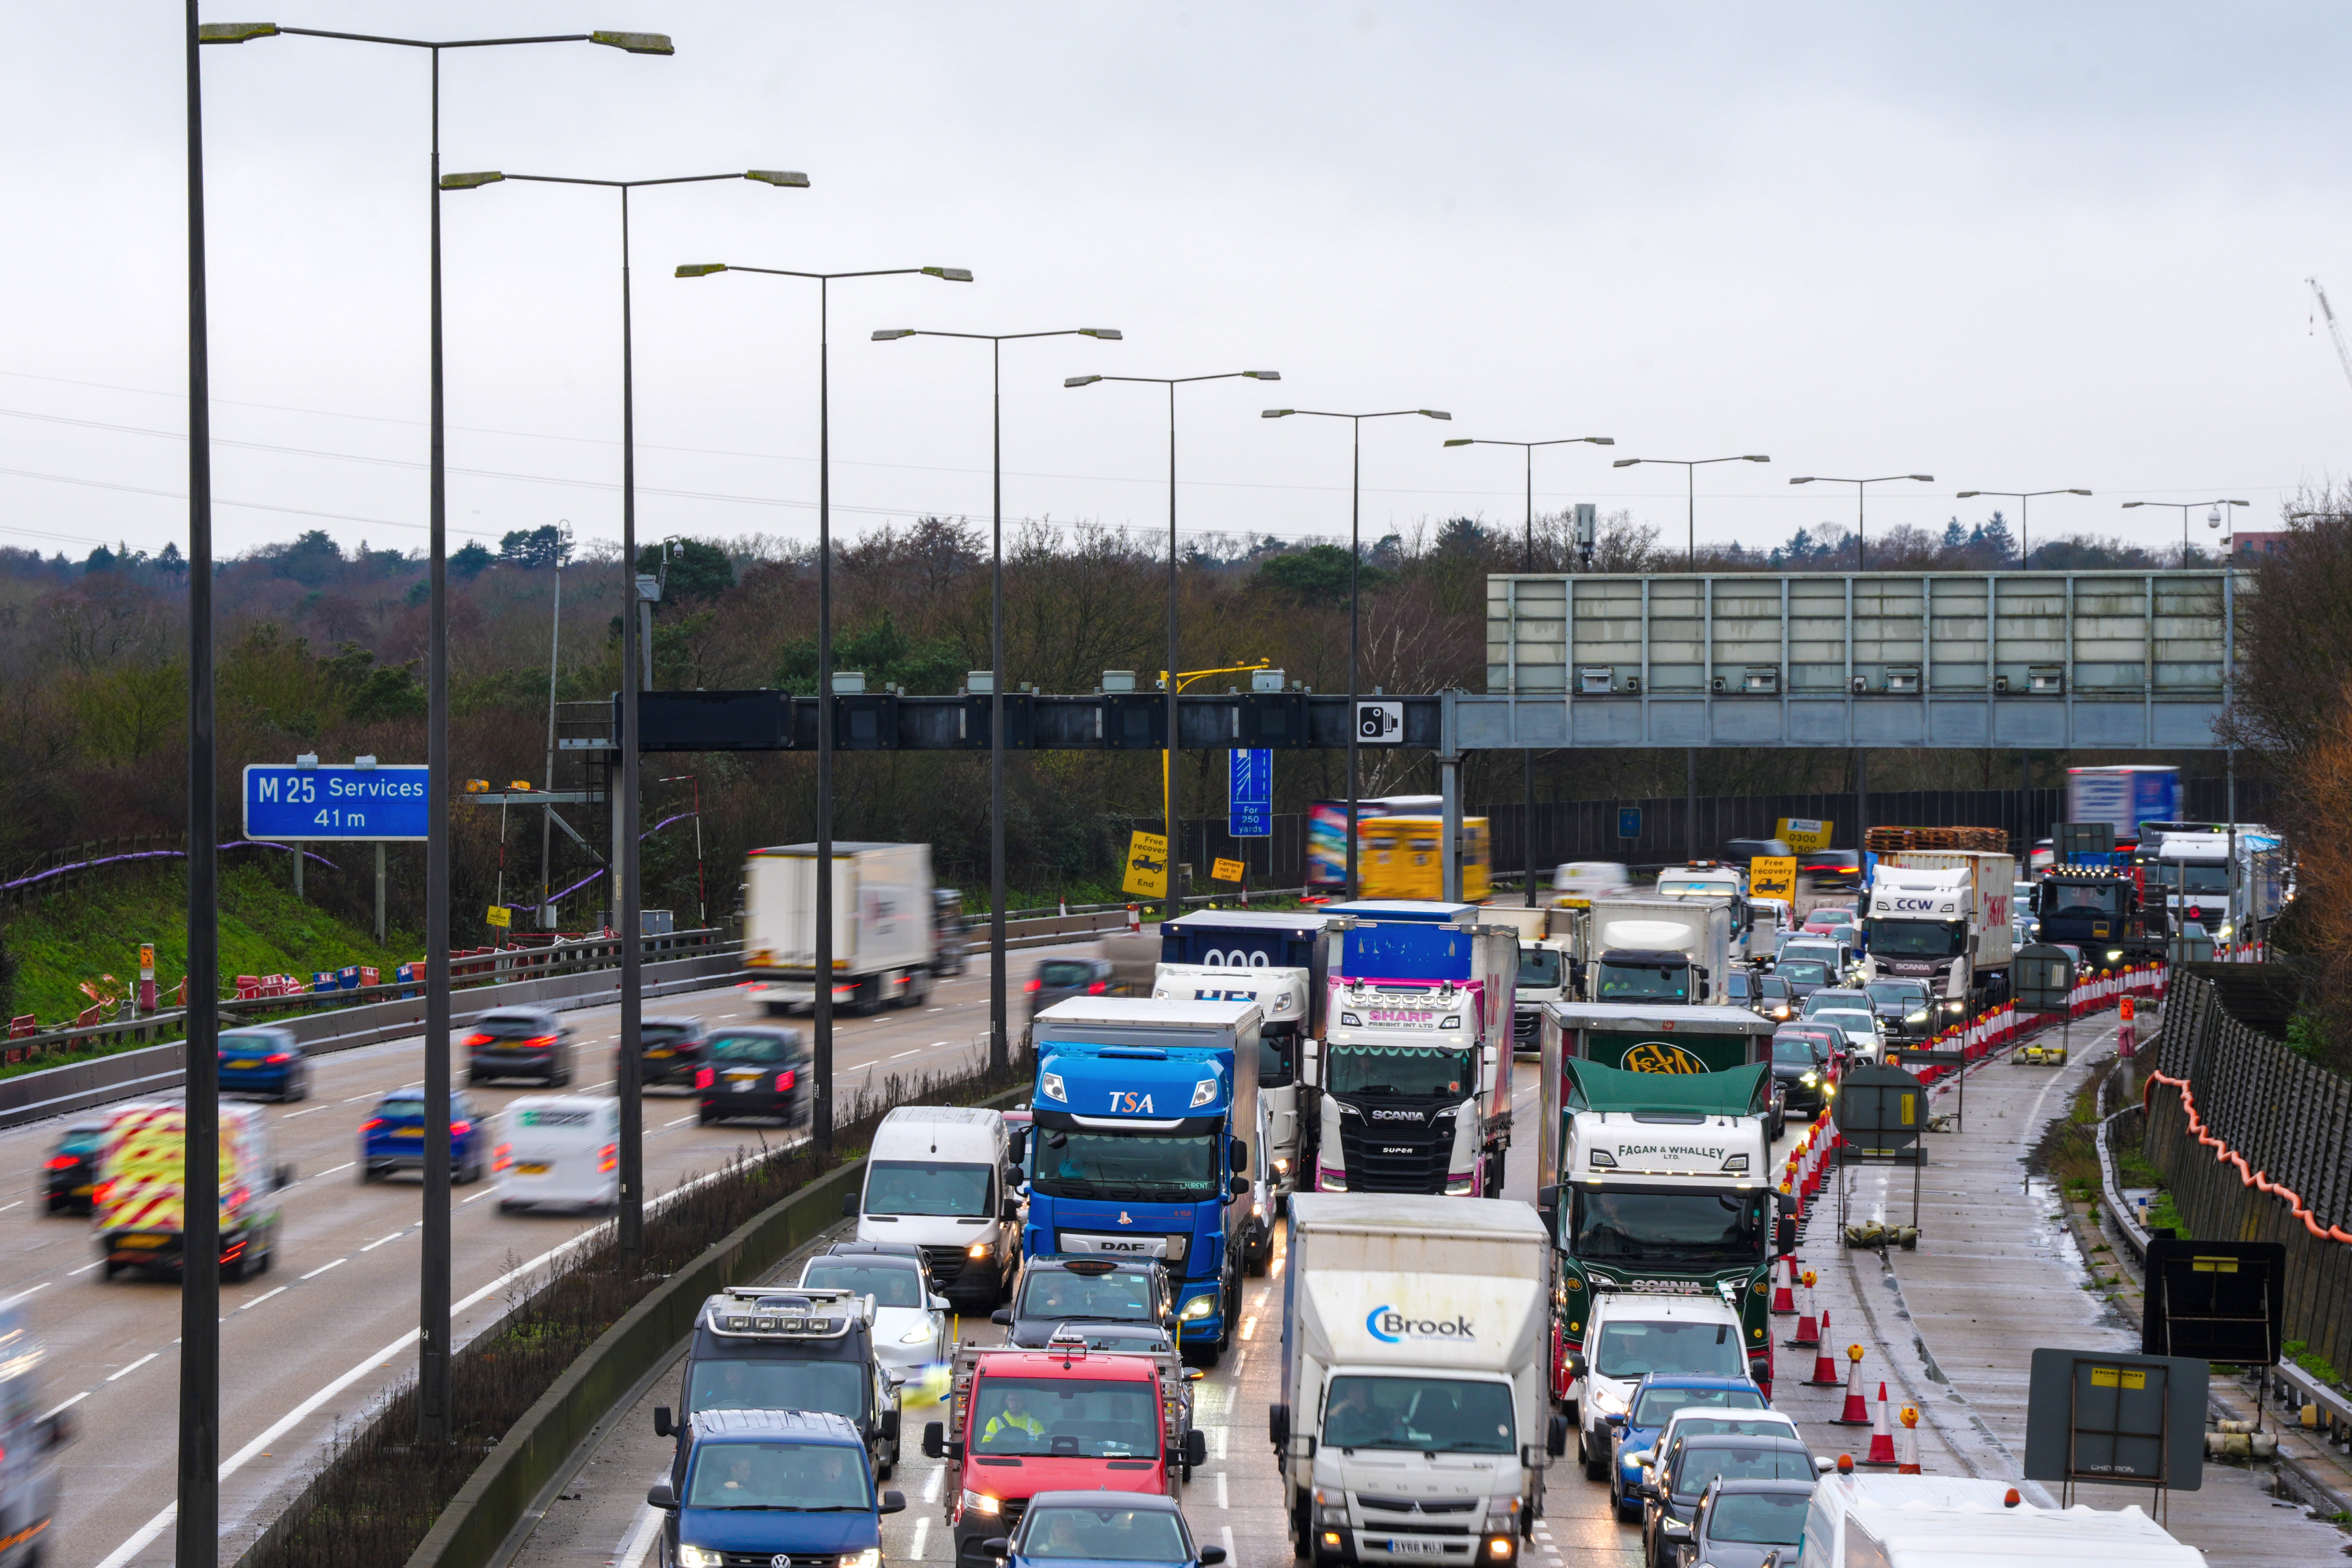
pixel 1578 882
pixel 1867 1037
pixel 1628 1336
pixel 911 1319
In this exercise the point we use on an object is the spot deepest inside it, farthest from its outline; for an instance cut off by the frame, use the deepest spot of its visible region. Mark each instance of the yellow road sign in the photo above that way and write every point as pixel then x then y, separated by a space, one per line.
pixel 1147 866
pixel 1225 870
pixel 1804 834
pixel 498 915
pixel 1772 876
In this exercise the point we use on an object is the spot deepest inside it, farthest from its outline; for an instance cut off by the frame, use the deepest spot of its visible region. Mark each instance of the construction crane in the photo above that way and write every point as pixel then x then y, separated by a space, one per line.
pixel 2335 331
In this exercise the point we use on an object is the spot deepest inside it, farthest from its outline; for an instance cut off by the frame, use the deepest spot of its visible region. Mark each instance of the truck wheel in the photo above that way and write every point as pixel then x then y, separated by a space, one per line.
pixel 1302 1527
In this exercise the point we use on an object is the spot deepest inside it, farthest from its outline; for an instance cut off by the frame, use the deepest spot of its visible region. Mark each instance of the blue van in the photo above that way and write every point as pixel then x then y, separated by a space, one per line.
pixel 770 1485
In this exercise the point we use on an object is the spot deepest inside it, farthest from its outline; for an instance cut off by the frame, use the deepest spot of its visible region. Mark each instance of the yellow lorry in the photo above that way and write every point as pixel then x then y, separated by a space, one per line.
pixel 1399 857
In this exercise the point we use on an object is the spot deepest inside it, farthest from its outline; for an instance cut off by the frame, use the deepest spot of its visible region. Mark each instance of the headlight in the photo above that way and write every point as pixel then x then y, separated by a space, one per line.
pixel 973 1502
pixel 1204 1093
pixel 1351 1021
pixel 916 1336
pixel 1607 1400
pixel 1458 1187
pixel 980 1250
pixel 1049 1084
pixel 1282 1164
pixel 869 1558
pixel 699 1557
pixel 1918 1018
pixel 1198 1307
pixel 1812 1080
pixel 1957 1005
pixel 2116 952
pixel 1282 1002
pixel 1335 1516
pixel 1449 1024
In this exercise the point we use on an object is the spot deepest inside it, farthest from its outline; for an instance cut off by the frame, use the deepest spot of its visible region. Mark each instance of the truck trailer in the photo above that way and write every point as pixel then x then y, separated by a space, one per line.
pixel 886 911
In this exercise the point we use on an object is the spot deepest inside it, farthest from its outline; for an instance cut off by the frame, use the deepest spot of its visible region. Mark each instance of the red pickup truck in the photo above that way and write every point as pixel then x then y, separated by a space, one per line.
pixel 1026 1422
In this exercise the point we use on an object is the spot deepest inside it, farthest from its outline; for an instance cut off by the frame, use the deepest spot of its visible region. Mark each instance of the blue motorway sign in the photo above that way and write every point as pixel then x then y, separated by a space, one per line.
pixel 1249 799
pixel 1629 822
pixel 285 802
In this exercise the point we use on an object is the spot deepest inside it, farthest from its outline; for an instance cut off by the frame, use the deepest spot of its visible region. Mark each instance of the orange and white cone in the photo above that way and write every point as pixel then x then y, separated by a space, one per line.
pixel 1906 1443
pixel 1857 1409
pixel 1809 1334
pixel 1825 1373
pixel 1784 1304
pixel 1882 1433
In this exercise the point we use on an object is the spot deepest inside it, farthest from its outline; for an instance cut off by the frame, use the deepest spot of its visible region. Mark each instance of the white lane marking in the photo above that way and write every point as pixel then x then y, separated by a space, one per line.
pixel 1227 1532
pixel 135 1366
pixel 357 1097
pixel 931 1486
pixel 933 1010
pixel 1249 1326
pixel 312 1111
pixel 1239 1361
pixel 68 1405
pixel 83 1270
pixel 338 1263
pixel 333 1169
pixel 257 1300
pixel 1221 1432
pixel 485 1192
pixel 922 1537
pixel 1224 1498
pixel 641 1539
pixel 903 1055
pixel 31 1288
pixel 6 1207
pixel 380 1240
pixel 679 1122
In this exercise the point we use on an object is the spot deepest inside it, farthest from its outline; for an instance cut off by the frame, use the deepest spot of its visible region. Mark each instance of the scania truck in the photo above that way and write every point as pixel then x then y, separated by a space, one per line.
pixel 1414 1423
pixel 1416 1078
pixel 1274 958
pixel 1656 1183
pixel 1141 1121
pixel 1942 916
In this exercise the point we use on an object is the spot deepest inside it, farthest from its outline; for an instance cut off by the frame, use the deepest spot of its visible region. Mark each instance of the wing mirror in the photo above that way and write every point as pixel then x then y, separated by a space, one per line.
pixel 936 1303
pixel 893 1501
pixel 1196 1447
pixel 1003 1315
pixel 663 1425
pixel 661 1495
pixel 935 1440
pixel 1211 1555
pixel 849 1206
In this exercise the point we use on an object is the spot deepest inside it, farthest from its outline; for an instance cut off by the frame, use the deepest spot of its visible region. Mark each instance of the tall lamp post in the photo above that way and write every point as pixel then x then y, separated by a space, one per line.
pixel 999 1048
pixel 1527 563
pixel 630 1221
pixel 821 969
pixel 2024 499
pixel 1167 756
pixel 433 1275
pixel 1355 584
pixel 2212 520
pixel 1859 486
pixel 1690 466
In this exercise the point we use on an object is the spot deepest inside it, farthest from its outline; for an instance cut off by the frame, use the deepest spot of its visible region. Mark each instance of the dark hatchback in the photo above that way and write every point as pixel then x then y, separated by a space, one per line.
pixel 264 1060
pixel 1801 1065
pixel 754 1072
pixel 1059 979
pixel 1057 1290
pixel 72 1167
pixel 392 1138
pixel 1670 1501
pixel 669 1052
pixel 1742 1523
pixel 519 1042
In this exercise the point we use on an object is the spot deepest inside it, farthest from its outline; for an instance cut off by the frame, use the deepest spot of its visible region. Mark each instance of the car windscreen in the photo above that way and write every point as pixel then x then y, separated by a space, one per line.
pixel 1658 1406
pixel 252 1042
pixel 1760 1518
pixel 927 1187
pixel 1403 1070
pixel 760 1049
pixel 410 1112
pixel 1121 1295
pixel 1629 1349
pixel 1694 1426
pixel 1539 967
pixel 1061 974
pixel 656 1033
pixel 1695 1230
pixel 889 1285
pixel 1795 1052
pixel 1080 1417
pixel 1702 1462
pixel 733 1382
pixel 1852 1023
pixel 1424 1414
pixel 1918 939
pixel 1804 972
pixel 1639 983
pixel 1105 1534
pixel 513 1029
pixel 1150 1167
pixel 1823 1001
pixel 1909 994
pixel 806 1477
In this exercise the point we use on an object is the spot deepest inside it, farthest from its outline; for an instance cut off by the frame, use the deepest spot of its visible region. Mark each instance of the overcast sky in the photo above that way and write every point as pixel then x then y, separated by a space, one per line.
pixel 2015 247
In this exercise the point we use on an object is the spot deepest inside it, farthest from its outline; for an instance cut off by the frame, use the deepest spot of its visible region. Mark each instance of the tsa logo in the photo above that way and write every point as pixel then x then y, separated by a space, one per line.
pixel 1129 1103
pixel 1390 1326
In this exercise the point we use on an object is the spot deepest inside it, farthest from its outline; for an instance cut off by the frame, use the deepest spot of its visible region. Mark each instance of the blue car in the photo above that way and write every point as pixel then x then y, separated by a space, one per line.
pixel 1653 1403
pixel 771 1486
pixel 264 1060
pixel 1098 1527
pixel 393 1137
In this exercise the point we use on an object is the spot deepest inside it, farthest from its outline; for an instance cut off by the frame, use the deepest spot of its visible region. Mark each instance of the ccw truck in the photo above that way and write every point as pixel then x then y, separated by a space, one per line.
pixel 1942 916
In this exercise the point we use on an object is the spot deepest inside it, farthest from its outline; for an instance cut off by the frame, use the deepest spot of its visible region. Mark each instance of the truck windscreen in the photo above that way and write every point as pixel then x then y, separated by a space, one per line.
pixel 730 1383
pixel 927 1187
pixel 1639 983
pixel 1917 939
pixel 1539 967
pixel 1159 1167
pixel 1081 1417
pixel 2097 899
pixel 1679 1230
pixel 1406 949
pixel 2171 876
pixel 1431 1415
pixel 1403 1070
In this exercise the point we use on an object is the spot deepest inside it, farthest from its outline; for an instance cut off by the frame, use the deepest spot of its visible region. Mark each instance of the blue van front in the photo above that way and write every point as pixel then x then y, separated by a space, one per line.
pixel 1135 1153
pixel 772 1484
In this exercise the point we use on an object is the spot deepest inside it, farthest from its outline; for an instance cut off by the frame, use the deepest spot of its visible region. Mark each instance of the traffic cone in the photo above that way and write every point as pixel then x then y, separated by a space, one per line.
pixel 1857 1409
pixel 1881 1435
pixel 1809 1334
pixel 1825 1373
pixel 1907 1444
pixel 1065 906
pixel 1784 1295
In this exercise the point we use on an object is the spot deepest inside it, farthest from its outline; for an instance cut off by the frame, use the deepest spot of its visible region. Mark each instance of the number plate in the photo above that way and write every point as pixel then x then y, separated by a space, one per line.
pixel 743 1085
pixel 533 1168
pixel 1413 1546
pixel 660 1051
pixel 408 1132
pixel 245 1062
pixel 140 1241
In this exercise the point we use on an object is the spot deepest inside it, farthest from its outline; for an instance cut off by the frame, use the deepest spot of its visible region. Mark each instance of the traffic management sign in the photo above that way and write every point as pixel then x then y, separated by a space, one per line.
pixel 1249 798
pixel 286 802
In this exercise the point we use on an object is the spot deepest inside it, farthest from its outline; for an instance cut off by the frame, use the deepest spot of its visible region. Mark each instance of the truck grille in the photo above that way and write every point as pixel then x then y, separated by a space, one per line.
pixel 1375 1164
pixel 1525 1027
pixel 1407 1505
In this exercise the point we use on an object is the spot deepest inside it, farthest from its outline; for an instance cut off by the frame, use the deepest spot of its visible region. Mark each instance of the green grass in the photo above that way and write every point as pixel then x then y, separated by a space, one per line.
pixel 96 929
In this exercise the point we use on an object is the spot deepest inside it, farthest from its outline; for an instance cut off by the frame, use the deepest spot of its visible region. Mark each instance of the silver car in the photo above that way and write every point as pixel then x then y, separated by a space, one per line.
pixel 1866 1039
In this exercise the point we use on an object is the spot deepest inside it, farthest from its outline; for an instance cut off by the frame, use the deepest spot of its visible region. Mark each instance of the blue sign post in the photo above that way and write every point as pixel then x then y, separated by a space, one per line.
pixel 287 802
pixel 1629 822
pixel 1249 799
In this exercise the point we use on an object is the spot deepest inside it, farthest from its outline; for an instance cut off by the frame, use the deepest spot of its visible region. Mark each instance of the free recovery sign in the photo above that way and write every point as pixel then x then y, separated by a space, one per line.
pixel 284 801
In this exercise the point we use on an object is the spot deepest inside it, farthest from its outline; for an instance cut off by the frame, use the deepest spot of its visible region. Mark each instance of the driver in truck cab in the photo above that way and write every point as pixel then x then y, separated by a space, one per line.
pixel 1014 1417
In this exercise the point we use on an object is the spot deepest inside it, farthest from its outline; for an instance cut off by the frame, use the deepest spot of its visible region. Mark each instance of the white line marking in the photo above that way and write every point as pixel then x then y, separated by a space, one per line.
pixel 380 1240
pixel 312 1111
pixel 83 1270
pixel 70 1403
pixel 641 1539
pixel 1239 1361
pixel 1249 1326
pixel 922 1537
pixel 333 1169
pixel 680 1121
pixel 338 1263
pixel 1224 1498
pixel 931 1486
pixel 31 1288
pixel 257 1300
pixel 485 1192
pixel 1227 1532
pixel 1221 1432
pixel 357 1097
pixel 6 1207
pixel 135 1366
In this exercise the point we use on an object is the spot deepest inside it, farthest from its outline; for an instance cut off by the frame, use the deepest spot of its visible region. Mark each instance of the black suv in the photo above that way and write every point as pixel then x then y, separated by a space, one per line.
pixel 783 1347
pixel 519 1042
pixel 755 1071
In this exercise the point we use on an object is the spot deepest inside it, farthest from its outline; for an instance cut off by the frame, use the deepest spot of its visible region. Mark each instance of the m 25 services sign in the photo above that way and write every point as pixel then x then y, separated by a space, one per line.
pixel 285 802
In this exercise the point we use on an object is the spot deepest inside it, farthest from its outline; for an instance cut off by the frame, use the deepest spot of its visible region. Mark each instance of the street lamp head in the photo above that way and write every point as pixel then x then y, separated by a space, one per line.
pixel 1804 480
pixel 1969 495
pixel 634 43
pixel 1263 375
pixel 1432 414
pixel 1080 380
pixel 1277 413
pixel 1460 441
pixel 1601 440
pixel 469 182
pixel 1107 334
pixel 790 178
pixel 234 32
pixel 953 274
pixel 1626 463
pixel 890 334
pixel 2073 492
pixel 1922 478
pixel 2241 504
pixel 701 268
pixel 1755 457
pixel 2129 504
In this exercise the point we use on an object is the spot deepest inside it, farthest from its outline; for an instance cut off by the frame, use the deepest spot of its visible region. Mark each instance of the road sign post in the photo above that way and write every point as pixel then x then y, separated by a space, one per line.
pixel 1249 794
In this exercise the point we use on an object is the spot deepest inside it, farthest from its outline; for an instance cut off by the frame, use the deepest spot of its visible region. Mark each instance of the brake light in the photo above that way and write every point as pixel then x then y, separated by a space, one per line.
pixel 501 1157
pixel 1034 986
pixel 103 1194
pixel 540 1042
pixel 277 1058
pixel 64 1162
pixel 459 1128
pixel 785 1081
pixel 372 1124
pixel 1097 988
pixel 479 1039
pixel 704 1077
pixel 609 1159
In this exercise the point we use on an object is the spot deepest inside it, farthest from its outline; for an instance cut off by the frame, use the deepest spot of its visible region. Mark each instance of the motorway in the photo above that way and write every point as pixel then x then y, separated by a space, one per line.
pixel 295 1343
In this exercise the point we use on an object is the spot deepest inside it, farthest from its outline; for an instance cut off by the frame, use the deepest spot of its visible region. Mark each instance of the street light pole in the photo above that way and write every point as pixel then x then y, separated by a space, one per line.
pixel 1690 466
pixel 1175 739
pixel 2024 499
pixel 1527 563
pixel 2186 508
pixel 432 1349
pixel 1355 585
pixel 821 968
pixel 1860 563
pixel 629 1221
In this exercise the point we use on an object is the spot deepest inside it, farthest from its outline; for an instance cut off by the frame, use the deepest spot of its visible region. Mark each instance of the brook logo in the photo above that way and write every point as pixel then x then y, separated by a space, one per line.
pixel 1129 1102
pixel 1392 1326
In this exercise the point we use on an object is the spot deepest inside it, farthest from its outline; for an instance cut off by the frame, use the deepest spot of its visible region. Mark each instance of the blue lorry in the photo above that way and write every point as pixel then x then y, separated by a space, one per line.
pixel 1145 1114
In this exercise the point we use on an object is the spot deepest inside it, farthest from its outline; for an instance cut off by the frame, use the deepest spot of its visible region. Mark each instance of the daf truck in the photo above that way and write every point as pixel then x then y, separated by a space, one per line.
pixel 1142 1118
pixel 1656 1183
pixel 1416 1076
pixel 1942 916
pixel 885 912
pixel 1650 951
pixel 1414 1416
pixel 1275 960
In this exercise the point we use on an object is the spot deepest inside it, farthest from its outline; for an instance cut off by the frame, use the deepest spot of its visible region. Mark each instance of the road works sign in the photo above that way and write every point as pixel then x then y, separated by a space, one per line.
pixel 286 802
pixel 1147 866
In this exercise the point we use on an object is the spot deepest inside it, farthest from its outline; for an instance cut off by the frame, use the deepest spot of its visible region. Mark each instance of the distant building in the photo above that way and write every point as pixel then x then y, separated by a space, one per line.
pixel 2249 544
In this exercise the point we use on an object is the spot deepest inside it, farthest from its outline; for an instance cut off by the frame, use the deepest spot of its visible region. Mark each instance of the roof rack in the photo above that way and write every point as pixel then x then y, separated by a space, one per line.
pixel 786 1313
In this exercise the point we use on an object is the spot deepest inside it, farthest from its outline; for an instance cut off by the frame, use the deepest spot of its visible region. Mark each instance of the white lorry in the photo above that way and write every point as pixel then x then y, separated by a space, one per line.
pixel 1649 950
pixel 1546 950
pixel 2229 877
pixel 941 1177
pixel 1413 1409
pixel 1942 916
pixel 884 911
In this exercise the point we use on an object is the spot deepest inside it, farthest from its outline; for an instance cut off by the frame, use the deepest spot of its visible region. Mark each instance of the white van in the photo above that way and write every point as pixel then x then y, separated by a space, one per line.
pixel 1576 883
pixel 1628 1334
pixel 938 1176
pixel 558 1149
pixel 1951 1521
